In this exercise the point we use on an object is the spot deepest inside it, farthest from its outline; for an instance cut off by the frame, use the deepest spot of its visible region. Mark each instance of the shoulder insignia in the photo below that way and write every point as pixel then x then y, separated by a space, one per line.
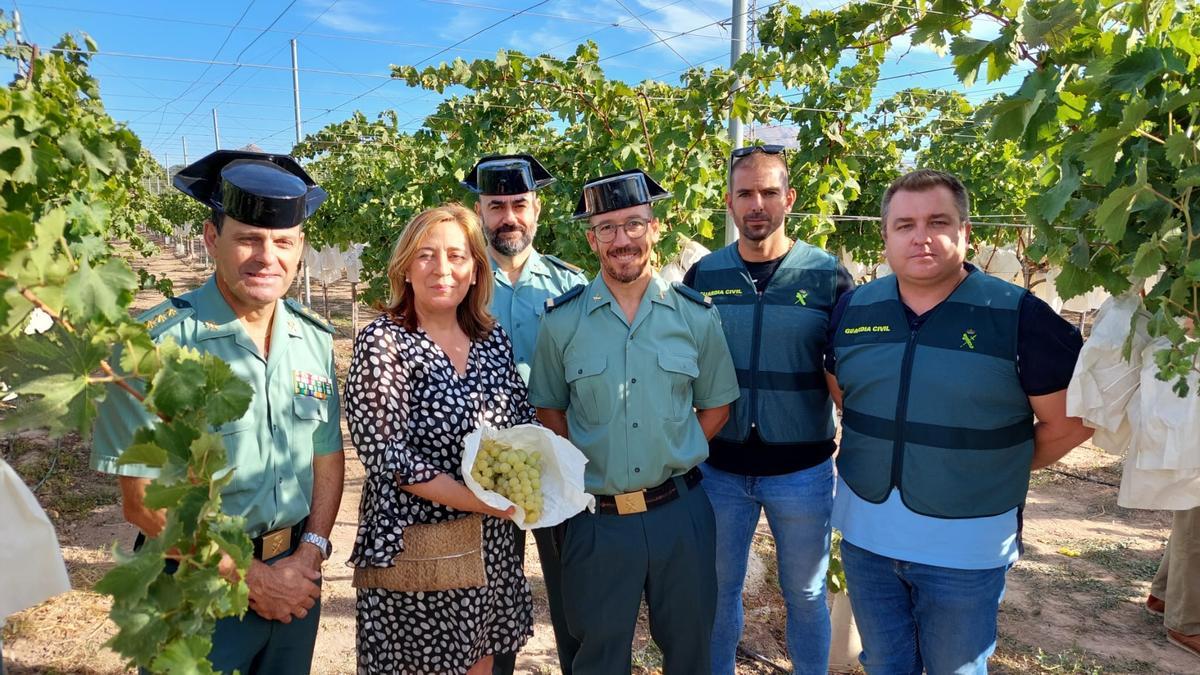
pixel 308 313
pixel 562 264
pixel 554 303
pixel 166 314
pixel 692 294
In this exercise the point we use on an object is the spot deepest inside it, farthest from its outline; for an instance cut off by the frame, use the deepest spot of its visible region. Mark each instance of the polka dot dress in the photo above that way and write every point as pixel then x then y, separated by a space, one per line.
pixel 408 412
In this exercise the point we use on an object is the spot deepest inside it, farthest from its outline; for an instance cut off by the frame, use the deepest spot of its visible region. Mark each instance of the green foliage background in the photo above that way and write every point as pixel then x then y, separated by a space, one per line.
pixel 1098 148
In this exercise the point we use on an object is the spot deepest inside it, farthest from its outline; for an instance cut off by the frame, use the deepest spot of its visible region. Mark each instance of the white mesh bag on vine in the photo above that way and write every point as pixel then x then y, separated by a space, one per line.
pixel 1104 382
pixel 1162 468
pixel 557 490
pixel 1001 262
pixel 352 262
pixel 688 255
pixel 859 272
pixel 1042 286
pixel 328 265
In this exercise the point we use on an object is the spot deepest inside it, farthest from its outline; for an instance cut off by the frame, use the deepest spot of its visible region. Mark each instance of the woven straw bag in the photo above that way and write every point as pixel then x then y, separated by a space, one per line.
pixel 436 557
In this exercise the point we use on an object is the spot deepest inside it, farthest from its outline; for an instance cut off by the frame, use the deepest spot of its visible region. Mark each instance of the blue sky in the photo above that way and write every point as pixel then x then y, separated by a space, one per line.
pixel 164 66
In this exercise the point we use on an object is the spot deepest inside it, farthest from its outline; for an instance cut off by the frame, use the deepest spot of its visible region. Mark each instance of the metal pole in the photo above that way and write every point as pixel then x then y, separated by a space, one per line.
pixel 307 286
pixel 737 47
pixel 166 171
pixel 185 162
pixel 296 88
pixel 299 135
pixel 216 131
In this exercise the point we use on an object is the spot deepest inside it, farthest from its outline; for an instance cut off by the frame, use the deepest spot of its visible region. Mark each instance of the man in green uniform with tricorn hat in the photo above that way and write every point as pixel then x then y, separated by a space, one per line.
pixel 286 451
pixel 637 374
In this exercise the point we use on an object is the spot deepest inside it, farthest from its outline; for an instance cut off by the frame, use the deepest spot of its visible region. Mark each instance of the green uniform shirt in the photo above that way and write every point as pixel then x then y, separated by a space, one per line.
pixel 519 308
pixel 629 388
pixel 293 415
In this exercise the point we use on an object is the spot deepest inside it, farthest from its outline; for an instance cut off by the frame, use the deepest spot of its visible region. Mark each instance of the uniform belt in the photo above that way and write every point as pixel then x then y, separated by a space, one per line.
pixel 643 500
pixel 278 542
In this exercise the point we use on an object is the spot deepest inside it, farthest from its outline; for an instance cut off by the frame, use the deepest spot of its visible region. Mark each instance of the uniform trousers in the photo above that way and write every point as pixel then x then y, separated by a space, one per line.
pixel 667 553
pixel 256 646
pixel 1178 580
pixel 548 554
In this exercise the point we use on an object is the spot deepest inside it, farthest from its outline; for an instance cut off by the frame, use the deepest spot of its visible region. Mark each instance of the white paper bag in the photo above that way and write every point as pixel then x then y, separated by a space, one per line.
pixel 31 561
pixel 1104 382
pixel 562 472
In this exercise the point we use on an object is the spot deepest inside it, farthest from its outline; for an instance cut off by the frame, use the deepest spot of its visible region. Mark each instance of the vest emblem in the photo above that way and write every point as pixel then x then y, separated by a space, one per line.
pixel 968 339
pixel 802 296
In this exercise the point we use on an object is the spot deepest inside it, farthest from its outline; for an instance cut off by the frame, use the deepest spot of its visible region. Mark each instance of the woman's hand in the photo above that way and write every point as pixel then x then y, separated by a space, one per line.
pixel 444 489
pixel 506 514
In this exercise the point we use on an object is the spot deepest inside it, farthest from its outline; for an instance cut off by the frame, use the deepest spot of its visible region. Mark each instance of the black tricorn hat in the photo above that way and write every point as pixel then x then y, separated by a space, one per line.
pixel 507 175
pixel 618 191
pixel 256 188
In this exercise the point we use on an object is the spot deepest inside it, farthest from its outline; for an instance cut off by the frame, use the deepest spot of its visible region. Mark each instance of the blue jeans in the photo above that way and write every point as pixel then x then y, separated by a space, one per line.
pixel 913 617
pixel 798 505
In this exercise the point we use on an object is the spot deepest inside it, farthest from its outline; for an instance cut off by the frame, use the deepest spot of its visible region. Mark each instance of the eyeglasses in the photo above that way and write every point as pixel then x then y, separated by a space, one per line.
pixel 635 228
pixel 739 153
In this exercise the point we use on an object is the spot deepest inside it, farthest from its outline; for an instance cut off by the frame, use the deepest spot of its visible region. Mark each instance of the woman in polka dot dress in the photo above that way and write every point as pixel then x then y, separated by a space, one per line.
pixel 424 374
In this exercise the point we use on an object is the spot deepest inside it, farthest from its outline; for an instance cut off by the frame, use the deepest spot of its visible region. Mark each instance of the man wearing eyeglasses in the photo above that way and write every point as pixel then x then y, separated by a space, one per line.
pixel 523 279
pixel 775 296
pixel 637 374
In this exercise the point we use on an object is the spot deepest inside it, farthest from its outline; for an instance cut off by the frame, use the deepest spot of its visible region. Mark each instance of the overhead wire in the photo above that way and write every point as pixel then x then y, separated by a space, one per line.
pixel 237 68
pixel 564 17
pixel 657 35
pixel 624 23
pixel 333 36
pixel 679 35
pixel 208 67
pixel 428 58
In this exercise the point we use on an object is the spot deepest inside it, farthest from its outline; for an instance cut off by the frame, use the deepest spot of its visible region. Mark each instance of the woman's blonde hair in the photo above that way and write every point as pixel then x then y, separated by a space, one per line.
pixel 473 312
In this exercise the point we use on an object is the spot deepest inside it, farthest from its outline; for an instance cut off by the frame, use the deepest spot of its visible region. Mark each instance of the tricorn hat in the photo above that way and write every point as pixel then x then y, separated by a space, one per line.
pixel 507 175
pixel 256 188
pixel 618 191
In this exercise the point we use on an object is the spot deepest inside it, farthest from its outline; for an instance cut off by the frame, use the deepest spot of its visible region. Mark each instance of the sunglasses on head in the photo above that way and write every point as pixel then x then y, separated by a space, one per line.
pixel 751 149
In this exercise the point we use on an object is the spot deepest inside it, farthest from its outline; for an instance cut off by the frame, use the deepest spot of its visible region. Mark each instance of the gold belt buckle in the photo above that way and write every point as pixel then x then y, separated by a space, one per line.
pixel 275 543
pixel 631 502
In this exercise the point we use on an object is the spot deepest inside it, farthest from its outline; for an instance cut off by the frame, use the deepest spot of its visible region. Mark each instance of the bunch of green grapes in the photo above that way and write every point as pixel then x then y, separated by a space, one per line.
pixel 513 473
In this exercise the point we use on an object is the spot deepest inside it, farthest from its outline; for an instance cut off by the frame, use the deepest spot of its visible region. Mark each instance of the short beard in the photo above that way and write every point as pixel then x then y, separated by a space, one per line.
pixel 760 234
pixel 623 277
pixel 508 247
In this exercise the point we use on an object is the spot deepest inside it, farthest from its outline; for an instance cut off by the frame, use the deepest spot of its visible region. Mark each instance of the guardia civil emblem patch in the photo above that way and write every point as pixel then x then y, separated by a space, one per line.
pixel 968 339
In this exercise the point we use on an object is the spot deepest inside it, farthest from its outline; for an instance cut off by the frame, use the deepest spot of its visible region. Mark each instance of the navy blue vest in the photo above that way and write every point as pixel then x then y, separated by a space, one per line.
pixel 777 341
pixel 938 413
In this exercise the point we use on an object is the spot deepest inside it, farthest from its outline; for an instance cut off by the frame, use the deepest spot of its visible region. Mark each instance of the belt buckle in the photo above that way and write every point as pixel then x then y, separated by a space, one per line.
pixel 631 502
pixel 275 543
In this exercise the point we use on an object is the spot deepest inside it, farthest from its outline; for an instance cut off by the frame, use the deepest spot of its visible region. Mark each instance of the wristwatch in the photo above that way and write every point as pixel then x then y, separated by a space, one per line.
pixel 320 542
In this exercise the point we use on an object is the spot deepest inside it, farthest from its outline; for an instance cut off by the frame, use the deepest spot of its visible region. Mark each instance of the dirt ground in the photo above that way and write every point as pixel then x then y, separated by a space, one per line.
pixel 1073 602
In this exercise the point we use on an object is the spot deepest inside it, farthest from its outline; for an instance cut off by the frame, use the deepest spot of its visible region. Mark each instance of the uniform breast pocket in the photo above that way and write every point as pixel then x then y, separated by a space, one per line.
pixel 589 388
pixel 307 413
pixel 680 370
pixel 245 456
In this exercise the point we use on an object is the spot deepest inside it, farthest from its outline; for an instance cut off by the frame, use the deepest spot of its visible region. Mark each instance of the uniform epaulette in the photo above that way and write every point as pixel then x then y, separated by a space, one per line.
pixel 308 313
pixel 166 314
pixel 692 294
pixel 554 303
pixel 562 264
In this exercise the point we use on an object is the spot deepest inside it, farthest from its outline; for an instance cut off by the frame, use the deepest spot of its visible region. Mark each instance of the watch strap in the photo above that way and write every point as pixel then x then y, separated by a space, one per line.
pixel 320 542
